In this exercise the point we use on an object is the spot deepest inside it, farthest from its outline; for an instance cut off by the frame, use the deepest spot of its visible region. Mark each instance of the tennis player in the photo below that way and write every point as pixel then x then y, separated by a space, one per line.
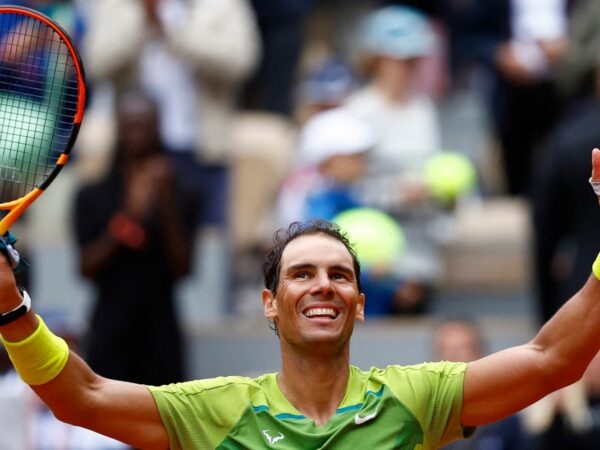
pixel 317 400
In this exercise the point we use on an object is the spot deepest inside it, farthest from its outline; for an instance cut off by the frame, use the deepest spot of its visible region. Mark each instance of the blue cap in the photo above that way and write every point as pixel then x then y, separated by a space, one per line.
pixel 330 83
pixel 396 31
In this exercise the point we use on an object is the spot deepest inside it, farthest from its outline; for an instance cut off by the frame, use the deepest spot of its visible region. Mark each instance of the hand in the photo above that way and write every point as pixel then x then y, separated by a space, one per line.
pixel 9 294
pixel 148 186
pixel 554 49
pixel 161 175
pixel 596 168
pixel 139 193
pixel 510 67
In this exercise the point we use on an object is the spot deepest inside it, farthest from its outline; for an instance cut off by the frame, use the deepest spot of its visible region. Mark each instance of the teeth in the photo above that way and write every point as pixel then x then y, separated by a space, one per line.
pixel 321 312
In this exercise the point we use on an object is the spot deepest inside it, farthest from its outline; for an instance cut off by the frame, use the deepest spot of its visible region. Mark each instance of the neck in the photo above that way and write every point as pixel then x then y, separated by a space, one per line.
pixel 324 377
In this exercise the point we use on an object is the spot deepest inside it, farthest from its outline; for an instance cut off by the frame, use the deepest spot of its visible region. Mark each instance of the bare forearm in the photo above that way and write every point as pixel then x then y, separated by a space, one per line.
pixel 123 411
pixel 76 394
pixel 75 382
pixel 571 338
pixel 555 358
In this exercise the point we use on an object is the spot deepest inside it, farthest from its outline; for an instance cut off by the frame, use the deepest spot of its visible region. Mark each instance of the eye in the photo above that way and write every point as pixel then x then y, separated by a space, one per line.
pixel 301 275
pixel 339 276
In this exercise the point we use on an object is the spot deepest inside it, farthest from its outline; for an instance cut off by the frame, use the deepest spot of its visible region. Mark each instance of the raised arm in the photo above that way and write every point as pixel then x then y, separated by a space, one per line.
pixel 77 395
pixel 506 382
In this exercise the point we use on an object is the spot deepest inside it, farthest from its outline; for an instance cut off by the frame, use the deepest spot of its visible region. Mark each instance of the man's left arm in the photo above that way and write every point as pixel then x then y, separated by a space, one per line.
pixel 508 381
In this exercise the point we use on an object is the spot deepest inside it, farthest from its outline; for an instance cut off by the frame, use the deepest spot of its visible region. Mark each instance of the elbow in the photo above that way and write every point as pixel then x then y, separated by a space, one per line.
pixel 67 416
pixel 75 416
pixel 81 413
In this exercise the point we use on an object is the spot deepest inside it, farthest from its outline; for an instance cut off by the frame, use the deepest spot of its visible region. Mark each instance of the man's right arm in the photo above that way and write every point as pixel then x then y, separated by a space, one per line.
pixel 77 395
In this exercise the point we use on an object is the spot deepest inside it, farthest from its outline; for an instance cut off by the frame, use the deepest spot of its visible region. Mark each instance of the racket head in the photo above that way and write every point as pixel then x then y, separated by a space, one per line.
pixel 42 99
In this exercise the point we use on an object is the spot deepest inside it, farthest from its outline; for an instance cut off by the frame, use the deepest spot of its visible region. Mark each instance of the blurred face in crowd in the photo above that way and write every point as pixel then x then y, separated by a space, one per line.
pixel 395 77
pixel 138 127
pixel 457 341
pixel 317 299
pixel 344 169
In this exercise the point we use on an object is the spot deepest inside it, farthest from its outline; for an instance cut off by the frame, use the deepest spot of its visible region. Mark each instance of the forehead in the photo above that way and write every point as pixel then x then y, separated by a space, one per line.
pixel 315 249
pixel 454 332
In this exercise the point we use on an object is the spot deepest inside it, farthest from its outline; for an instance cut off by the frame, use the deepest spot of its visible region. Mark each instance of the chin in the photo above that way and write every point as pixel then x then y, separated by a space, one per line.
pixel 323 337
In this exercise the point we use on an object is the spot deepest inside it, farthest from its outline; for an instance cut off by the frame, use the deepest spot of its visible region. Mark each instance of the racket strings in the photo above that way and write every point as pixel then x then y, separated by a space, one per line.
pixel 38 102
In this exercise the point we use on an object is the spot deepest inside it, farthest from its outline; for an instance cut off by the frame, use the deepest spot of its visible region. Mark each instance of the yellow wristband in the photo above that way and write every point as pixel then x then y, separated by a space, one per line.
pixel 596 267
pixel 40 357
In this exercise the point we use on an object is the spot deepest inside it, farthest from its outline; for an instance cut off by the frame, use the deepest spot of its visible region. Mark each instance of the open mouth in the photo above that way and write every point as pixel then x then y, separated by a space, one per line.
pixel 328 313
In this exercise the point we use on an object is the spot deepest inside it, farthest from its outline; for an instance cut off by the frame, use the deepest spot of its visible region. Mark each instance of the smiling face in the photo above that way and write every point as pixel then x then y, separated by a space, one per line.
pixel 317 299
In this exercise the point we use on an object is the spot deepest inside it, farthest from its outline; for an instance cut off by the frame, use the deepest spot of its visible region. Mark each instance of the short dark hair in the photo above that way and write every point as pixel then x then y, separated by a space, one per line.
pixel 282 237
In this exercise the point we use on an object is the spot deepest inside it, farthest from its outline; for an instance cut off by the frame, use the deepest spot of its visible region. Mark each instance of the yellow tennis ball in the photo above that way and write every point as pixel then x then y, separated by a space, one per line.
pixel 376 236
pixel 449 175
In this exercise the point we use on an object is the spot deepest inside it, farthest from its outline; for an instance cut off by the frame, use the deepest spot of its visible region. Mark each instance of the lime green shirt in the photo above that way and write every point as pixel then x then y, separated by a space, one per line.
pixel 398 407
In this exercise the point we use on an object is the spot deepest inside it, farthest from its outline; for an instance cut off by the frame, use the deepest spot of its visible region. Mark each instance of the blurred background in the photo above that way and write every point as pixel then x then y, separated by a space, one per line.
pixel 468 124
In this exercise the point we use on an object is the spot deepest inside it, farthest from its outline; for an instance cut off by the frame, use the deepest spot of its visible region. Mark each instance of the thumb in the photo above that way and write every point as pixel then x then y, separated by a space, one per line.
pixel 595 178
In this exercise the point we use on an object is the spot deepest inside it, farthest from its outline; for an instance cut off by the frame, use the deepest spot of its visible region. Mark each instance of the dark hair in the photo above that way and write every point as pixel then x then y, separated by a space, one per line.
pixel 282 237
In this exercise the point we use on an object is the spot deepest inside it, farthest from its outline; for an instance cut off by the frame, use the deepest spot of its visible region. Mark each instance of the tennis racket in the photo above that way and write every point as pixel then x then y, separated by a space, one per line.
pixel 42 96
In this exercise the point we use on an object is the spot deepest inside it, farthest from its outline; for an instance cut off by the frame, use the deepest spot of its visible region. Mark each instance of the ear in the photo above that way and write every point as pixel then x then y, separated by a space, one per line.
pixel 269 304
pixel 360 308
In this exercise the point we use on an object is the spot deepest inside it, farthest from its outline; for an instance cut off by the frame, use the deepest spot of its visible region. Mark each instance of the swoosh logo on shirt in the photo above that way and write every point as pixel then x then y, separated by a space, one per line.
pixel 359 420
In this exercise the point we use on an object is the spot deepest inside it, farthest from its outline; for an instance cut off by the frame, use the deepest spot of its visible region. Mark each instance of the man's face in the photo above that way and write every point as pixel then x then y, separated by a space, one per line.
pixel 317 300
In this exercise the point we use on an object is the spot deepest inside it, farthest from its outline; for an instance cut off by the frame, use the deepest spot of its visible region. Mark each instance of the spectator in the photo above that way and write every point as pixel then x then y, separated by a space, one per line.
pixel 324 87
pixel 282 34
pixel 135 229
pixel 569 418
pixel 460 339
pixel 191 57
pixel 518 43
pixel 576 71
pixel 330 160
pixel 393 42
pixel 562 226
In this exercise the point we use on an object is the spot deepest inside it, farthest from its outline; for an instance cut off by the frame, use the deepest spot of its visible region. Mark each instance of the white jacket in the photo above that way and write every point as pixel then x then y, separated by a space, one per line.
pixel 219 40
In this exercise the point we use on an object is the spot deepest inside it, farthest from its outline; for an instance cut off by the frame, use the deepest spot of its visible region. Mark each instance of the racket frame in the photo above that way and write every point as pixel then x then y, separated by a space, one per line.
pixel 19 205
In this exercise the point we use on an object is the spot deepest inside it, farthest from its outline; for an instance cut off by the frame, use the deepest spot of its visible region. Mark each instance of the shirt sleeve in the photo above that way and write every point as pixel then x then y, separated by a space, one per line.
pixel 199 414
pixel 434 391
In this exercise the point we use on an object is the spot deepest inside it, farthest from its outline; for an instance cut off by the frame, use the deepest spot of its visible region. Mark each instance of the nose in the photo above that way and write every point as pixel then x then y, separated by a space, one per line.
pixel 322 284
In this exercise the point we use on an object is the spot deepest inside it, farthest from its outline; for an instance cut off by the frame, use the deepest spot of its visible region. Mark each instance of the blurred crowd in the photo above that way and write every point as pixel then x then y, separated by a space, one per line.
pixel 241 116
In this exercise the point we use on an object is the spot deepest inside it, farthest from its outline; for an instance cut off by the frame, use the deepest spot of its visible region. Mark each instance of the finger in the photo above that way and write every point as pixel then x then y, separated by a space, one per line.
pixel 595 165
pixel 5 263
pixel 595 178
